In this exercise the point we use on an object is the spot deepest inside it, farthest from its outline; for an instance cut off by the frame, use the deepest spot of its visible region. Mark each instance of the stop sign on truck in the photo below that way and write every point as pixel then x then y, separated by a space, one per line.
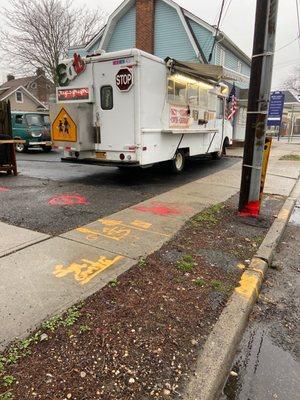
pixel 124 79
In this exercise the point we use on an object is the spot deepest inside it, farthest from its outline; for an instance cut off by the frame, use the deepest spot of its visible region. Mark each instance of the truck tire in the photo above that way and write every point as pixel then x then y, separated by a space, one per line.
pixel 21 148
pixel 178 162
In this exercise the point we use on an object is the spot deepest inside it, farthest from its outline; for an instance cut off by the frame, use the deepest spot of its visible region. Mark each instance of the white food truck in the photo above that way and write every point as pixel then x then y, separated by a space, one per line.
pixel 130 108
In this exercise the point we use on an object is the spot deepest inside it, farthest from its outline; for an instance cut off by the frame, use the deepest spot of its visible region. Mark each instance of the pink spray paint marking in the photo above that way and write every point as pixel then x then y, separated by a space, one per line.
pixel 159 209
pixel 4 189
pixel 67 200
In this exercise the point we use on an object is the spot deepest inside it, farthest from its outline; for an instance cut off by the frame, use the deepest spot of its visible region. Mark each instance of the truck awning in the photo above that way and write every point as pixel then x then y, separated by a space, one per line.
pixel 212 72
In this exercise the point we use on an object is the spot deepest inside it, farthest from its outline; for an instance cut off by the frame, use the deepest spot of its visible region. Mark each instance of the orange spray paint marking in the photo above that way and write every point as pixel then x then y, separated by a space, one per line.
pixel 159 209
pixel 67 200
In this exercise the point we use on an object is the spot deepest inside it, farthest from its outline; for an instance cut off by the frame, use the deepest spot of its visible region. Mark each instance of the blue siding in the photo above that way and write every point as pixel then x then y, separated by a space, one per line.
pixel 123 36
pixel 170 38
pixel 245 69
pixel 231 60
pixel 205 37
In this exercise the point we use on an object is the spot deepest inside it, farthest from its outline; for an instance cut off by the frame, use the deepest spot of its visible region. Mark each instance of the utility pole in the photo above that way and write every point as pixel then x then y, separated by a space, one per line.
pixel 258 98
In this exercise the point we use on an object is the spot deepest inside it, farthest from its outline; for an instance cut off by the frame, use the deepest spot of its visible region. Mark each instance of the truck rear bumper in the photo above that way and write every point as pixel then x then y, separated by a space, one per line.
pixel 43 143
pixel 96 161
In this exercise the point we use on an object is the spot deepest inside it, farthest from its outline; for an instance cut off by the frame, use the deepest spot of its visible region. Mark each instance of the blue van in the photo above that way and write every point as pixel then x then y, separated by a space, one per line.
pixel 34 128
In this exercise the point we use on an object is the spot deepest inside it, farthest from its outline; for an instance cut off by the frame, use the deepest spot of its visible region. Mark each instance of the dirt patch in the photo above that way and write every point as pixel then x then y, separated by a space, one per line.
pixel 290 157
pixel 139 337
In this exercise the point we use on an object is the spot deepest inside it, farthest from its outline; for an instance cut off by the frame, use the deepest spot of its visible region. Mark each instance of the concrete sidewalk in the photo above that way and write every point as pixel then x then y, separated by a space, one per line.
pixel 45 275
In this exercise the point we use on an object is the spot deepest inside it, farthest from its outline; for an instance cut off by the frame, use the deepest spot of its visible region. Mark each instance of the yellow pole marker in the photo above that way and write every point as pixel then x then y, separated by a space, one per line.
pixel 266 155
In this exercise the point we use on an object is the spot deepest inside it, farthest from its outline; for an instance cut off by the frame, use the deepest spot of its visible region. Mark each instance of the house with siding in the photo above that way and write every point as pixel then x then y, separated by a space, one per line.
pixel 30 93
pixel 163 28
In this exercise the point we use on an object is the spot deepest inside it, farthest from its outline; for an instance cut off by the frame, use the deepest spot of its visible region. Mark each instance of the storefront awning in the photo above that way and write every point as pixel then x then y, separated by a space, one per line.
pixel 205 71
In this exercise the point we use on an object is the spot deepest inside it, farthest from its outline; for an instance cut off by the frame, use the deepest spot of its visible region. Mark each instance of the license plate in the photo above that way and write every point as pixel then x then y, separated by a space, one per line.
pixel 101 155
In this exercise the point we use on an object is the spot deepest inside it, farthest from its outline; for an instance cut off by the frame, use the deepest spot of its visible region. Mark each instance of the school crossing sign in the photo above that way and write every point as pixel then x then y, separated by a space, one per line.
pixel 124 79
pixel 64 128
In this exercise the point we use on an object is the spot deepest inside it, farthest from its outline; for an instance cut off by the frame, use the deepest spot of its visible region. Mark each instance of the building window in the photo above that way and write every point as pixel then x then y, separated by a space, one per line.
pixel 19 97
pixel 33 85
pixel 222 56
pixel 239 66
pixel 106 94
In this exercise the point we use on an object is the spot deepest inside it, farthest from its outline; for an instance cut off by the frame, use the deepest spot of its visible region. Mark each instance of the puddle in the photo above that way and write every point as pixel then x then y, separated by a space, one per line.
pixel 257 379
pixel 295 217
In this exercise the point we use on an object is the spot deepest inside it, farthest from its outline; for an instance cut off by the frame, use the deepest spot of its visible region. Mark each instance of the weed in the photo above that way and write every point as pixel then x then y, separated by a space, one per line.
pixel 52 323
pixel 199 282
pixel 84 328
pixel 187 263
pixel 72 316
pixel 220 286
pixel 209 215
pixel 142 262
pixel 113 283
pixel 290 157
pixel 8 380
pixel 6 395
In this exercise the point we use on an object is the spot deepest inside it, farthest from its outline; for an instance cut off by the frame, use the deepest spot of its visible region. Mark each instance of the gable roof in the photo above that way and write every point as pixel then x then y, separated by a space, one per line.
pixel 8 92
pixel 184 15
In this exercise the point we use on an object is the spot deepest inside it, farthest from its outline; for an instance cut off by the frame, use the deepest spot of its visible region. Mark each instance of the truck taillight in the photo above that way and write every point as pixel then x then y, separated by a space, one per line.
pixel 122 156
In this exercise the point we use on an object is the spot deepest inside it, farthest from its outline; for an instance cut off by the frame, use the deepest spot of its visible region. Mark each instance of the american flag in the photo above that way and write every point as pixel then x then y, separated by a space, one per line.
pixel 232 104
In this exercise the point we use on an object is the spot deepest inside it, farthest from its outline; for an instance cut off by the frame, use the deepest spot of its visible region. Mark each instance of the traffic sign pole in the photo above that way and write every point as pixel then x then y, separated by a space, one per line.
pixel 259 92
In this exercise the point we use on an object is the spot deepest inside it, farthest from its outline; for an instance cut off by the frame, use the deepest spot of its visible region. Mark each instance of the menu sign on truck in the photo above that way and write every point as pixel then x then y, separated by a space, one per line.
pixel 179 117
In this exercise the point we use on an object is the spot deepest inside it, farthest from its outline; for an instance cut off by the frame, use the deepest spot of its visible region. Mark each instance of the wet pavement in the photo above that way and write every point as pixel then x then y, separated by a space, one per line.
pixel 267 366
pixel 52 197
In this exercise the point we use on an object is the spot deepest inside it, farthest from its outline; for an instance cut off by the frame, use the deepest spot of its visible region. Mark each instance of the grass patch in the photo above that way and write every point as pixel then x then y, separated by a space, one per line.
pixel 219 286
pixel 187 263
pixel 113 283
pixel 210 215
pixel 290 157
pixel 22 348
pixel 199 282
pixel 142 262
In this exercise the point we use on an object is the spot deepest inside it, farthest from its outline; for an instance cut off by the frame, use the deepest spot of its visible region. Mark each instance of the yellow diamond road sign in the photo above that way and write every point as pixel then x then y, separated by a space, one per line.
pixel 64 128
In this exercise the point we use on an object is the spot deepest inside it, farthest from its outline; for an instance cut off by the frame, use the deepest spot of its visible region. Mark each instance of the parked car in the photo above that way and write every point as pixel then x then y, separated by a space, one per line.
pixel 34 128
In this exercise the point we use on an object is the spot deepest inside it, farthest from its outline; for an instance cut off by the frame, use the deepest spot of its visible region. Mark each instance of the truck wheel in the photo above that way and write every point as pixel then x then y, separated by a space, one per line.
pixel 21 148
pixel 178 162
pixel 47 149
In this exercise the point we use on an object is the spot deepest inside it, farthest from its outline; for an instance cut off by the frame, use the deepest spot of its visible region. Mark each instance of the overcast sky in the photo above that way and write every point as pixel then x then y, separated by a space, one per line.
pixel 238 24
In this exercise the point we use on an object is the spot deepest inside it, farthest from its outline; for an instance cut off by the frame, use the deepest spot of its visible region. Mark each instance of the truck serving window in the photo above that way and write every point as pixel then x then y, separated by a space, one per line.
pixel 106 95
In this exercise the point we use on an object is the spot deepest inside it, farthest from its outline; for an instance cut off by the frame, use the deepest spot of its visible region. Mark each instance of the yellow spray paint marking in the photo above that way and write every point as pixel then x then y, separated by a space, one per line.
pixel 64 128
pixel 117 230
pixel 283 214
pixel 86 270
pixel 248 284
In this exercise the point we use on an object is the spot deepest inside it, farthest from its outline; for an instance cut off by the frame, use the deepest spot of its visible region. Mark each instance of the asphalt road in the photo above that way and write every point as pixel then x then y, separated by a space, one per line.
pixel 53 197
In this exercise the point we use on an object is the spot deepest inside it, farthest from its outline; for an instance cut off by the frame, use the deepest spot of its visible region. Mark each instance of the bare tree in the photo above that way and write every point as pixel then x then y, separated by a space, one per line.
pixel 39 32
pixel 293 80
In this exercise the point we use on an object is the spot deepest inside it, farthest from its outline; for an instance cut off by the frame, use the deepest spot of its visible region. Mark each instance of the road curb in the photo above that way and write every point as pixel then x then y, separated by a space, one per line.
pixel 217 355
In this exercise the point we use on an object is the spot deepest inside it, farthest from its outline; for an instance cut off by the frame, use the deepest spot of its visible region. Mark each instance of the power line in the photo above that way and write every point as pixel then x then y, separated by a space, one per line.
pixel 225 13
pixel 217 30
pixel 298 21
pixel 286 45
